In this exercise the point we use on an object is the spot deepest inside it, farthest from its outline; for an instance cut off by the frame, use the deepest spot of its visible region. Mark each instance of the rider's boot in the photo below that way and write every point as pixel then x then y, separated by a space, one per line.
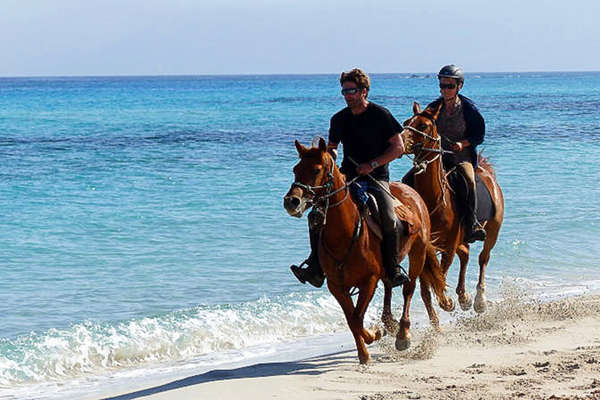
pixel 474 231
pixel 313 273
pixel 395 274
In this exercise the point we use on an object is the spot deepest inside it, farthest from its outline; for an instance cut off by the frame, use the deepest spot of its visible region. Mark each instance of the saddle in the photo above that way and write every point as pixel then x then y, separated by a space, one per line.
pixel 485 207
pixel 368 204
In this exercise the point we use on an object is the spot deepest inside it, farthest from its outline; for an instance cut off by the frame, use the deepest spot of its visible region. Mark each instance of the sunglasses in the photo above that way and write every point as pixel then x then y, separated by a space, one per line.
pixel 447 85
pixel 350 91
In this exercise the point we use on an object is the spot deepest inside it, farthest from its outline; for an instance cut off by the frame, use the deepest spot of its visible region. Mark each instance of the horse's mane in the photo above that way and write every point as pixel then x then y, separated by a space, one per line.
pixel 485 163
pixel 428 113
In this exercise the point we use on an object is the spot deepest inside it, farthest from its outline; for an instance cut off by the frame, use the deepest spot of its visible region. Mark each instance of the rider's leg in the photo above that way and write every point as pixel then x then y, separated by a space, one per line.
pixel 392 230
pixel 474 231
pixel 313 273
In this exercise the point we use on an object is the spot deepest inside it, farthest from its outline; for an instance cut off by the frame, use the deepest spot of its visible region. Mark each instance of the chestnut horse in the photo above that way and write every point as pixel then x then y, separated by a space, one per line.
pixel 350 255
pixel 421 138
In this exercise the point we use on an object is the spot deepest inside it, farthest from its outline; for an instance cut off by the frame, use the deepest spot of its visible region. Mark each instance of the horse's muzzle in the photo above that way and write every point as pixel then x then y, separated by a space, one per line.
pixel 294 205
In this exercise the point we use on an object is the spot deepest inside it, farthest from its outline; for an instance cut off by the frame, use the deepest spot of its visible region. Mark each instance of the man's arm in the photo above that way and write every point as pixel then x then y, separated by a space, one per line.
pixel 394 150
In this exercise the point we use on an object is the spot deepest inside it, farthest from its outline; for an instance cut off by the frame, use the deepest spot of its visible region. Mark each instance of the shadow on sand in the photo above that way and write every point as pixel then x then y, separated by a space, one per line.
pixel 312 366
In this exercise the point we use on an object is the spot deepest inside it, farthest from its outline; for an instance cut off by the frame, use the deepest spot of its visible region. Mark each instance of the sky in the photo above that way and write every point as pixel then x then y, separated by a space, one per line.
pixel 193 37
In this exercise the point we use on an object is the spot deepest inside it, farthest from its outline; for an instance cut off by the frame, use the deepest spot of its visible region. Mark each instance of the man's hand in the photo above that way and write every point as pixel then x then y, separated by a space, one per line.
pixel 364 169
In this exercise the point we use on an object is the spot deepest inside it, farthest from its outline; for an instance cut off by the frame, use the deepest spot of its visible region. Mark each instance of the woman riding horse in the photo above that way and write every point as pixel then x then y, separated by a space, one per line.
pixel 421 138
pixel 462 129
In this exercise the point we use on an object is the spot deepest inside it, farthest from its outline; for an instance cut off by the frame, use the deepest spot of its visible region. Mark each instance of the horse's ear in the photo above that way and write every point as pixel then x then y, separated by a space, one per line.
pixel 322 145
pixel 301 149
pixel 416 108
pixel 436 112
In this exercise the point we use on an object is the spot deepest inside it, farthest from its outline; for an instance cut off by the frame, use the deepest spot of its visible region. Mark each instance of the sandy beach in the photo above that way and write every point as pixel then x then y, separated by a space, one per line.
pixel 517 349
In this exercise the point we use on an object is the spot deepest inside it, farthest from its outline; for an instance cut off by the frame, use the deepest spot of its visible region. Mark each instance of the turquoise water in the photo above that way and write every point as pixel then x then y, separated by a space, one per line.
pixel 142 221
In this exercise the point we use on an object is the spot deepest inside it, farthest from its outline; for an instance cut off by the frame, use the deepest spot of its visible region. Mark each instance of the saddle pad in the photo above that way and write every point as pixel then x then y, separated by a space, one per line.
pixel 404 211
pixel 485 207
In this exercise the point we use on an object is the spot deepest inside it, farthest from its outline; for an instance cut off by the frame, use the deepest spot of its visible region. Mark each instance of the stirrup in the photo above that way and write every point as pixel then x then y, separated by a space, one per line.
pixel 477 235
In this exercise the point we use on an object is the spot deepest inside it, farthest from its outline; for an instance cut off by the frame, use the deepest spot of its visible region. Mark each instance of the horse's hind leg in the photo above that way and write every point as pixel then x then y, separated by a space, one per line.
pixel 446 262
pixel 464 298
pixel 417 261
pixel 426 296
pixel 391 325
pixel 493 228
pixel 403 335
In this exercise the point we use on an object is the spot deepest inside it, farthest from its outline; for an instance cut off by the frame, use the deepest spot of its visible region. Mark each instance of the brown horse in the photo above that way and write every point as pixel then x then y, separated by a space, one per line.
pixel 421 138
pixel 350 255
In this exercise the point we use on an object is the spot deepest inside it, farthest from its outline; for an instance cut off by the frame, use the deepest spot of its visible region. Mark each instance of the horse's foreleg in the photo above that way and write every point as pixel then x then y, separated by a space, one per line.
pixel 390 324
pixel 364 298
pixel 464 298
pixel 484 257
pixel 345 301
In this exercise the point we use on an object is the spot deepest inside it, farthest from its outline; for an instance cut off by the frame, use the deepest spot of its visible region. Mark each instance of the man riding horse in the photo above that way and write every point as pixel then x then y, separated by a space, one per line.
pixel 371 139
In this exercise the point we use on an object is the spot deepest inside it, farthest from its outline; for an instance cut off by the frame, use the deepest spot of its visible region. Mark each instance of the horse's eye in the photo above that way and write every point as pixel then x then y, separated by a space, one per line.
pixel 316 170
pixel 422 127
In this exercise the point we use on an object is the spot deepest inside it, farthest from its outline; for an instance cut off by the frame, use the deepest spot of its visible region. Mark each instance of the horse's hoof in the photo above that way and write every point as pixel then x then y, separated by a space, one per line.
pixel 392 328
pixel 402 343
pixel 465 302
pixel 390 325
pixel 365 359
pixel 378 333
pixel 480 305
pixel 448 305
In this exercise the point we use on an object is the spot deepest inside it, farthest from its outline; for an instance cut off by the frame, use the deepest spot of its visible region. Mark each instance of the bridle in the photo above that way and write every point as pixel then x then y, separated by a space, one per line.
pixel 320 206
pixel 327 187
pixel 421 160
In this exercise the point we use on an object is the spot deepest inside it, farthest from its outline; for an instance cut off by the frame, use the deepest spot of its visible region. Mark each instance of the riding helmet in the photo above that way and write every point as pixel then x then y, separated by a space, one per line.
pixel 452 71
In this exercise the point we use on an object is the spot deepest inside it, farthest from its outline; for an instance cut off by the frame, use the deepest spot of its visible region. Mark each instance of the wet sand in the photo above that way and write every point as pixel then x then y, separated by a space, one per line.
pixel 518 349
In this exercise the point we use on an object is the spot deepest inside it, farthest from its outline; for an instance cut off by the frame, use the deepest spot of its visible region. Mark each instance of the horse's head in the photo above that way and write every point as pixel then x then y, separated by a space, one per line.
pixel 312 178
pixel 420 130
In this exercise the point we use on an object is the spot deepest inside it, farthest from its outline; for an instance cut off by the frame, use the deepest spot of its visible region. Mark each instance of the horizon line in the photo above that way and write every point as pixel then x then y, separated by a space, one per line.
pixel 273 74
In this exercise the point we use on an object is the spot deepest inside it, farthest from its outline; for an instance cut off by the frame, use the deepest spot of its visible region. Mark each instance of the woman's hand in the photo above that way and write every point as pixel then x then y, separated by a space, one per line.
pixel 459 146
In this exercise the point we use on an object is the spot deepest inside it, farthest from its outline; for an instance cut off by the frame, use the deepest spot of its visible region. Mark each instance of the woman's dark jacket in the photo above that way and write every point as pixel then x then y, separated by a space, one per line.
pixel 475 124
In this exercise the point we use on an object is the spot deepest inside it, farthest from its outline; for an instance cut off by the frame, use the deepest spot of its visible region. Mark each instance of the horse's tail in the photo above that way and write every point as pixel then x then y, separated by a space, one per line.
pixel 435 277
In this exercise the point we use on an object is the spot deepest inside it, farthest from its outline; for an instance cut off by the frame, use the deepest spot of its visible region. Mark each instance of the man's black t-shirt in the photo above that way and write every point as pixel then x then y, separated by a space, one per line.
pixel 364 137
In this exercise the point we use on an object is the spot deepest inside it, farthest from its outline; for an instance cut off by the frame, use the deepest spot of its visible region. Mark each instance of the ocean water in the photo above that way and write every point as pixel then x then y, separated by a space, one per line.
pixel 142 231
